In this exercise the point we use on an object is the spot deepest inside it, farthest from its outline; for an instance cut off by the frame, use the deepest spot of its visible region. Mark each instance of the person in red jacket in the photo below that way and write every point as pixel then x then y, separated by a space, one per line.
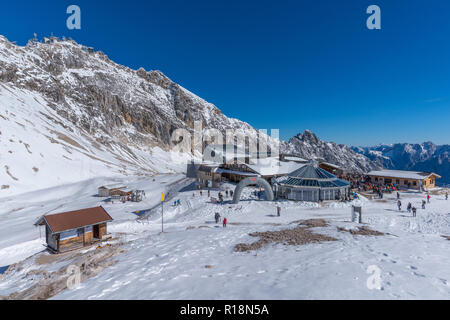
pixel 224 222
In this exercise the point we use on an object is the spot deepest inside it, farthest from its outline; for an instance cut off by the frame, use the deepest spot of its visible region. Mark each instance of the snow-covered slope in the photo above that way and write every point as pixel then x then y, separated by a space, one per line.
pixel 67 114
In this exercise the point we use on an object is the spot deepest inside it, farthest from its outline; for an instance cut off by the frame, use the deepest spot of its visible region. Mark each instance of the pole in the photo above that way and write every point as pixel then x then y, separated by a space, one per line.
pixel 162 217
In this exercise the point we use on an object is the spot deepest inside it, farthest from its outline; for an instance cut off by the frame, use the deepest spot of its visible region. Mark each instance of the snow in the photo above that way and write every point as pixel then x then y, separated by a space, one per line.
pixel 412 256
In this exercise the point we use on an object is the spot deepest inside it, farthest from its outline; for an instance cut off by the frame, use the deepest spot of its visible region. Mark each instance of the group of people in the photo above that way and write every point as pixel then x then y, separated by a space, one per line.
pixel 410 207
pixel 217 218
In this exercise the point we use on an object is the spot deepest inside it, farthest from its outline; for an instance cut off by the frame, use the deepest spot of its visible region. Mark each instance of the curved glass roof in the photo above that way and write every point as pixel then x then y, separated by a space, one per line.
pixel 312 176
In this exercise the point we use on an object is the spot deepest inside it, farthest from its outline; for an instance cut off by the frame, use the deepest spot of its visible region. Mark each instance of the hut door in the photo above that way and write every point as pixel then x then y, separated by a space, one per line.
pixel 96 231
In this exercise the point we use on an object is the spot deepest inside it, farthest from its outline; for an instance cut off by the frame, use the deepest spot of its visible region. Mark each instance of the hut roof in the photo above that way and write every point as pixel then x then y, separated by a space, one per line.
pixel 75 219
pixel 403 174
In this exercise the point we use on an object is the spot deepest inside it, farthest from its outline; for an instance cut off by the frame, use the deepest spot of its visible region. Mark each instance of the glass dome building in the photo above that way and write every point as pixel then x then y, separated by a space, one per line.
pixel 311 183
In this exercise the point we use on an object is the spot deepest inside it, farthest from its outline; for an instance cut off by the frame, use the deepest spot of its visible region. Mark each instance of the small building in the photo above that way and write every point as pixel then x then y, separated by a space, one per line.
pixel 311 183
pixel 332 168
pixel 107 191
pixel 208 175
pixel 404 179
pixel 74 229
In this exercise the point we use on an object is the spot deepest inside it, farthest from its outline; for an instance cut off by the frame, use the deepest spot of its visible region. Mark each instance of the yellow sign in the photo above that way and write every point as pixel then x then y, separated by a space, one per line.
pixel 162 197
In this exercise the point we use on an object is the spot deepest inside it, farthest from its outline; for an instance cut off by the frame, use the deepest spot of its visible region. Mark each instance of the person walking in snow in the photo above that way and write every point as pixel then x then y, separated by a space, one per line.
pixel 428 198
pixel 398 195
pixel 423 204
pixel 399 205
pixel 217 217
pixel 225 222
pixel 409 207
pixel 414 211
pixel 446 196
pixel 201 193
pixel 278 210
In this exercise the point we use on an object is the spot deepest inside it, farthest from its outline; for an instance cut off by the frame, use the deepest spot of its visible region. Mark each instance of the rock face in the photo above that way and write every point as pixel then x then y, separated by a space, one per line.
pixel 64 106
pixel 309 146
pixel 102 97
pixel 404 156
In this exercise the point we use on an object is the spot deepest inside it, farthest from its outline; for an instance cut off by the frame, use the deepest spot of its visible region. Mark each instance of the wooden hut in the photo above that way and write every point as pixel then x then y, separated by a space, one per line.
pixel 404 179
pixel 74 229
pixel 107 191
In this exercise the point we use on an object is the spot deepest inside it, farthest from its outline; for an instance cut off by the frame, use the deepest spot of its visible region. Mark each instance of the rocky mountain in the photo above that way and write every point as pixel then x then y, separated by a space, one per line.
pixel 69 113
pixel 309 146
pixel 62 105
pixel 405 156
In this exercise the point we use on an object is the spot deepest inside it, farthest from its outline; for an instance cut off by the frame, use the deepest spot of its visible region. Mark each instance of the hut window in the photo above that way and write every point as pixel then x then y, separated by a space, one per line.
pixel 88 229
pixel 415 183
pixel 397 181
pixel 68 234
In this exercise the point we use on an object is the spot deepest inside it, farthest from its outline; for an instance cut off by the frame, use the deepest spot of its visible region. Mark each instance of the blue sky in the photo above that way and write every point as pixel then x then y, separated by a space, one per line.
pixel 292 65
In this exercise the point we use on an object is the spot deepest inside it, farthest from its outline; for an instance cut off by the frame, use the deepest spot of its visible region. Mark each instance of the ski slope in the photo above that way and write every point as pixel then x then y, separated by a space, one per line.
pixel 195 258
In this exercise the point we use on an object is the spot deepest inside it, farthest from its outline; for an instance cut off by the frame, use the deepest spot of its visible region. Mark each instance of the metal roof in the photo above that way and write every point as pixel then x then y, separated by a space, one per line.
pixel 75 219
pixel 403 174
pixel 311 172
pixel 312 176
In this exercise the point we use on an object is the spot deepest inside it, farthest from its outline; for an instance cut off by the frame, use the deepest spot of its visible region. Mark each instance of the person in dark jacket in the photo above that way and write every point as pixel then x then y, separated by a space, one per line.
pixel 217 217
pixel 278 210
pixel 414 211
pixel 409 207
pixel 399 205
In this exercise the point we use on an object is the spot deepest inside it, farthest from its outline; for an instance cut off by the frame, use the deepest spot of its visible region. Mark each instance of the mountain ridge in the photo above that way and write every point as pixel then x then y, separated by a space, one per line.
pixel 63 105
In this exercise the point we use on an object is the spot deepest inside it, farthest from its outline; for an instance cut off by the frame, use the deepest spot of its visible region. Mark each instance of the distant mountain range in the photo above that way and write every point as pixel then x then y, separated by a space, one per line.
pixel 405 156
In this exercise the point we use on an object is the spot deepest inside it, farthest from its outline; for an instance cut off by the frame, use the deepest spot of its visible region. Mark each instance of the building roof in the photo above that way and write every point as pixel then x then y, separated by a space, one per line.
pixel 417 175
pixel 311 175
pixel 75 219
pixel 113 186
pixel 330 165
pixel 294 158
pixel 208 167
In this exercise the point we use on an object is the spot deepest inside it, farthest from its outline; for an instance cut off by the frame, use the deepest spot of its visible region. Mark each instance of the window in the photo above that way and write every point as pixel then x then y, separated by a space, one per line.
pixel 397 181
pixel 415 183
pixel 68 234
pixel 406 182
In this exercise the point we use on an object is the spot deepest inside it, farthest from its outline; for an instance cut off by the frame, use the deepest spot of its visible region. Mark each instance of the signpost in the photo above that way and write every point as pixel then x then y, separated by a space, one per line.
pixel 162 211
